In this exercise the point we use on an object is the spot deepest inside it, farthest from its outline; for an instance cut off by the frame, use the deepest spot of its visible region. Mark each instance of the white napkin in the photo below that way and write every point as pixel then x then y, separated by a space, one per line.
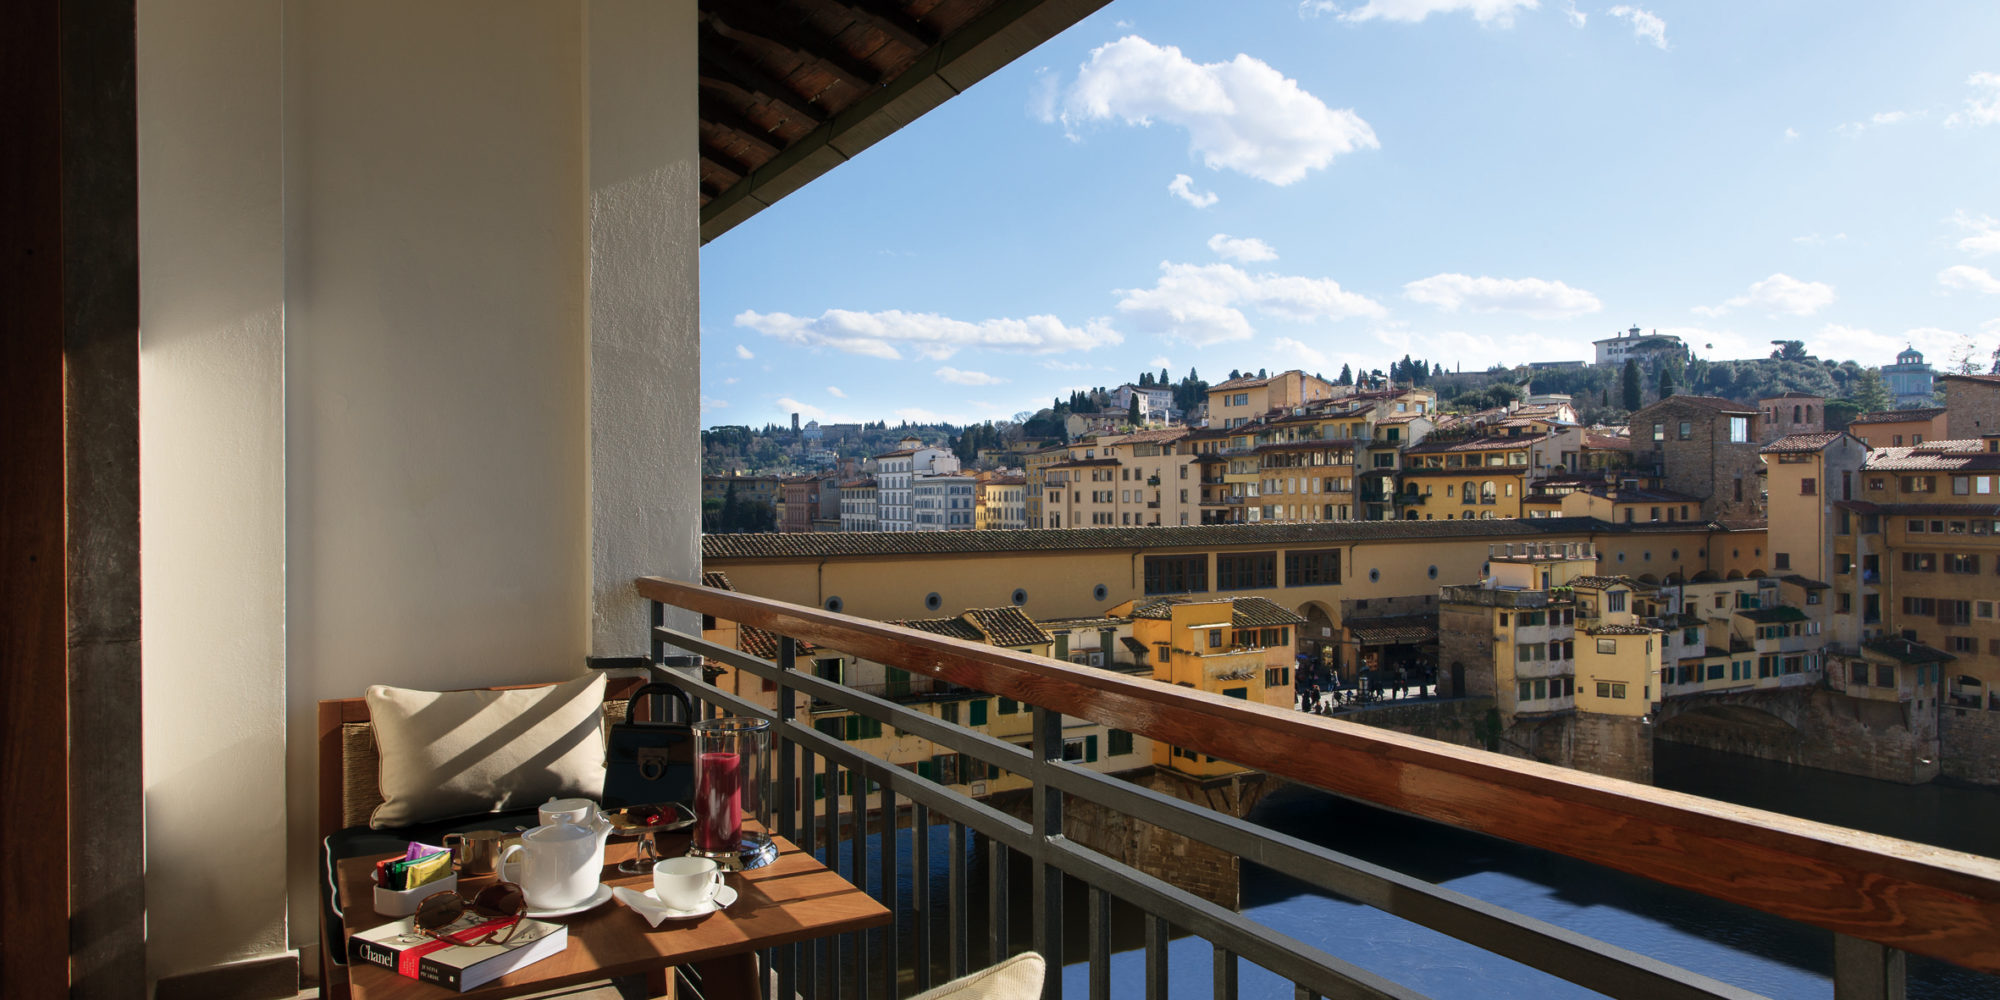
pixel 646 906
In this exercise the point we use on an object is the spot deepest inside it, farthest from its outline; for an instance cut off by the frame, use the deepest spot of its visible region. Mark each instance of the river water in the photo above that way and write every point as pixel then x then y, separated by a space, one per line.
pixel 1738 946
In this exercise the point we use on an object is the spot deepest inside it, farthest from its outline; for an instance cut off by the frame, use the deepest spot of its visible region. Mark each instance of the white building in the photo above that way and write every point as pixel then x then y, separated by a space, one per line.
pixel 1155 402
pixel 858 506
pixel 894 472
pixel 943 501
pixel 1635 343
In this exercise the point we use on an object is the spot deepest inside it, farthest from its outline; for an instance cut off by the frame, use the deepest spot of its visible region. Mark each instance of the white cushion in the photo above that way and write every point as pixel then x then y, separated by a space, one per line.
pixel 1018 978
pixel 459 753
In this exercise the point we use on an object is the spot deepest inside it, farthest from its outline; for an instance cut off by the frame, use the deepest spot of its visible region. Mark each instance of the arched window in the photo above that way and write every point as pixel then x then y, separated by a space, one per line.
pixel 1465 493
pixel 1809 413
pixel 1488 492
pixel 1795 414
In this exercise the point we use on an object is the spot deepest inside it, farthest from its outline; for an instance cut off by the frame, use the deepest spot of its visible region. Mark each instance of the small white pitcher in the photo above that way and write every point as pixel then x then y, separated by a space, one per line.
pixel 558 865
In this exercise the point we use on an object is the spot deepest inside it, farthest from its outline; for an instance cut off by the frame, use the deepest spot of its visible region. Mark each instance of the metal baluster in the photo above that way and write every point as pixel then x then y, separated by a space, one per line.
pixel 809 832
pixel 858 849
pixel 891 896
pixel 1301 993
pixel 960 922
pixel 1225 974
pixel 920 889
pixel 996 893
pixel 833 944
pixel 1100 944
pixel 787 956
pixel 1156 957
pixel 1047 819
pixel 1865 970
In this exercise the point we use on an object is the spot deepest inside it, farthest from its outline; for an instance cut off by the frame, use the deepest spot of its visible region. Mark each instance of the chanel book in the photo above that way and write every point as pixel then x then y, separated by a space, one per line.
pixel 396 946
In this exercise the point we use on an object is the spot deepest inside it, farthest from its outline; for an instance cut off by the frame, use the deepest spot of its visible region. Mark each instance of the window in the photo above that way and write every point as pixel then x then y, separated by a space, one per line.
pixel 1009 706
pixel 1607 645
pixel 1182 574
pixel 1120 743
pixel 1961 563
pixel 978 713
pixel 1808 487
pixel 1614 602
pixel 1920 562
pixel 1739 430
pixel 1312 568
pixel 1527 652
pixel 1781 560
pixel 1246 570
pixel 1215 638
pixel 1659 432
pixel 1687 430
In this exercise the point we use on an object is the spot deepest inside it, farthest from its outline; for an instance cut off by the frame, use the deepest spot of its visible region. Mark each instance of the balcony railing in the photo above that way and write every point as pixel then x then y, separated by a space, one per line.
pixel 1874 894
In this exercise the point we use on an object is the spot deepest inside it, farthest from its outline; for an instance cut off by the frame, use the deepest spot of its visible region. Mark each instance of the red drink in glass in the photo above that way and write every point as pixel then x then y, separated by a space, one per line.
pixel 719 803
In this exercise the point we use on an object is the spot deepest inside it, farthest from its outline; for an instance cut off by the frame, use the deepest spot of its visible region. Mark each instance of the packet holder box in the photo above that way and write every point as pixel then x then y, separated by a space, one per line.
pixel 390 903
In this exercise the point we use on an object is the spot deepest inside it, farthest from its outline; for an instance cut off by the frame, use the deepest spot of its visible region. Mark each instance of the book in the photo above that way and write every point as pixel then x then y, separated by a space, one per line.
pixel 397 946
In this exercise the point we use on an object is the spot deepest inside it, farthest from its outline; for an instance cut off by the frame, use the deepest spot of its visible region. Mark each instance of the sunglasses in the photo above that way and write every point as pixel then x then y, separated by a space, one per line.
pixel 497 911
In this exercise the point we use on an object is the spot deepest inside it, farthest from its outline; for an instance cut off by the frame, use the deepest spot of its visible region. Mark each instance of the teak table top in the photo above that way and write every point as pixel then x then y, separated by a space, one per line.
pixel 792 899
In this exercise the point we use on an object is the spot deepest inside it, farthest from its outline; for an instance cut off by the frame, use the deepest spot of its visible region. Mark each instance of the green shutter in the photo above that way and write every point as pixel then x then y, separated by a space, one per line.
pixel 1008 706
pixel 1090 749
pixel 979 712
pixel 1243 693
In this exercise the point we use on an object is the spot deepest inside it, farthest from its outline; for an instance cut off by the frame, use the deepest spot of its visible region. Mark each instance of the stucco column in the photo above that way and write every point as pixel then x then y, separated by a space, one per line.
pixel 645 349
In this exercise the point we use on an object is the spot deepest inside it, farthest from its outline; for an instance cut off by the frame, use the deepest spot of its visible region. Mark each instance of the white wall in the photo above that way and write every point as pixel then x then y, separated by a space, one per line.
pixel 421 382
pixel 212 470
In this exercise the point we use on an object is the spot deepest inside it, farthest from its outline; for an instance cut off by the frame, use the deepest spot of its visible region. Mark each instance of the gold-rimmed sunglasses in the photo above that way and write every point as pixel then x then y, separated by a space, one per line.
pixel 496 910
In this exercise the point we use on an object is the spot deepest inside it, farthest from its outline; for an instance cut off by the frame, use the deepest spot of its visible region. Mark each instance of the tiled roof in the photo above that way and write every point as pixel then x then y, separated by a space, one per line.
pixel 901 453
pixel 866 543
pixel 1141 437
pixel 1084 463
pixel 715 580
pixel 1068 624
pixel 956 628
pixel 764 645
pixel 1906 650
pixel 1009 627
pixel 1244 612
pixel 1138 648
pixel 1805 581
pixel 1607 441
pixel 1771 616
pixel 1622 630
pixel 1402 418
pixel 1933 456
pixel 1791 395
pixel 1393 629
pixel 1626 494
pixel 1603 582
pixel 1983 379
pixel 1988 509
pixel 1477 444
pixel 1897 416
pixel 858 484
pixel 1807 442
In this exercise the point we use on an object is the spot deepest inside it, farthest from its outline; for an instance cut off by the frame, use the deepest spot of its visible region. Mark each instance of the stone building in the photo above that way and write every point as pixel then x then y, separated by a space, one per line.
pixel 1789 413
pixel 1702 446
pixel 1910 378
pixel 1971 405
pixel 1898 428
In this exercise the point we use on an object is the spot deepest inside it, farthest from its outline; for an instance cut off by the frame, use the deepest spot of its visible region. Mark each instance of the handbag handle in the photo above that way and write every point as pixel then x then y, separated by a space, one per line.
pixel 687 705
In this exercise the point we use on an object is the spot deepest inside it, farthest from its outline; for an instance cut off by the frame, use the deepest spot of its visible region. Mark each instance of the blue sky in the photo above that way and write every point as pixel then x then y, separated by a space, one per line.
pixel 1251 185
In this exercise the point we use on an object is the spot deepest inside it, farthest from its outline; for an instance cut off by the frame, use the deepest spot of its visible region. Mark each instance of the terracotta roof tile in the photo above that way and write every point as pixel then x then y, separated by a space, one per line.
pixel 1393 629
pixel 1798 443
pixel 715 580
pixel 1906 650
pixel 956 628
pixel 1621 630
pixel 764 645
pixel 1897 416
pixel 1008 627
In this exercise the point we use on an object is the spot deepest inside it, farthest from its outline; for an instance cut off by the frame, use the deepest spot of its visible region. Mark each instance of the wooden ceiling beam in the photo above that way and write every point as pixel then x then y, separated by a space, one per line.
pixel 747 24
pixel 718 62
pixel 892 20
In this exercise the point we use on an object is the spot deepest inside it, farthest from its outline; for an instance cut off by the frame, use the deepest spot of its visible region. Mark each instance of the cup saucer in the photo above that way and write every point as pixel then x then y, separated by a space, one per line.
pixel 597 899
pixel 724 896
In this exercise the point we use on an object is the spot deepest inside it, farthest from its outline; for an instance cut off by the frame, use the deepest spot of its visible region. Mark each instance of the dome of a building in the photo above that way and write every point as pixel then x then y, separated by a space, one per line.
pixel 1910 356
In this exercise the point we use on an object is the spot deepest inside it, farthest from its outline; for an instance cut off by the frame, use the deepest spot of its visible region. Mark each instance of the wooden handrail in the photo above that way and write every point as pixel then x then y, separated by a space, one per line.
pixel 1915 897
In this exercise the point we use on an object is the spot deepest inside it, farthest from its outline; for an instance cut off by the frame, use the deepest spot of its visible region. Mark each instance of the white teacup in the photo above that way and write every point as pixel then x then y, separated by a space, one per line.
pixel 686 883
pixel 576 812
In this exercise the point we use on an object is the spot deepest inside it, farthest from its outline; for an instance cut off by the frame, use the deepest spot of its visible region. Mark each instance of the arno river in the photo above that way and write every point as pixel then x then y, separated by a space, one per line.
pixel 1738 946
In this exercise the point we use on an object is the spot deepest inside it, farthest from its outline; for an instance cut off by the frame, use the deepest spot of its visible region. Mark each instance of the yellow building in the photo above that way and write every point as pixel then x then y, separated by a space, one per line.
pixel 1618 659
pixel 1805 474
pixel 1034 465
pixel 1247 398
pixel 1630 503
pixel 1237 647
pixel 1512 636
pixel 1466 479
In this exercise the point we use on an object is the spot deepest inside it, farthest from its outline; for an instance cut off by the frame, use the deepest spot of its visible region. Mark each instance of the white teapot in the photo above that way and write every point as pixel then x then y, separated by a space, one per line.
pixel 559 864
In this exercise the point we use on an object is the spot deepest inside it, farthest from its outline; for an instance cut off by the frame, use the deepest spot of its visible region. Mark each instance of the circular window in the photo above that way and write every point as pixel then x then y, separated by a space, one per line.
pixel 1374 575
pixel 833 604
pixel 1433 571
pixel 1020 597
pixel 1621 557
pixel 1100 592
pixel 932 601
pixel 1646 556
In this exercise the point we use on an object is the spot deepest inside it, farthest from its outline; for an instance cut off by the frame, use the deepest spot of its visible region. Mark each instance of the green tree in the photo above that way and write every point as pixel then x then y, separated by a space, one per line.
pixel 1790 350
pixel 1132 411
pixel 1347 371
pixel 1634 391
pixel 1871 393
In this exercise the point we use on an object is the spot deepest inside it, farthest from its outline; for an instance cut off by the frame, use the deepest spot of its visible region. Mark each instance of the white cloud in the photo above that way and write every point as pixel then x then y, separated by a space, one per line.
pixel 834 391
pixel 1985 232
pixel 1816 240
pixel 803 409
pixel 1500 12
pixel 1876 120
pixel 1198 303
pixel 1982 107
pixel 709 403
pixel 1182 187
pixel 1532 297
pixel 1162 362
pixel 731 380
pixel 958 377
pixel 1790 134
pixel 886 335
pixel 1249 249
pixel 1577 18
pixel 1966 278
pixel 1646 25
pixel 1044 94
pixel 1779 293
pixel 1292 353
pixel 744 352
pixel 1073 366
pixel 1240 115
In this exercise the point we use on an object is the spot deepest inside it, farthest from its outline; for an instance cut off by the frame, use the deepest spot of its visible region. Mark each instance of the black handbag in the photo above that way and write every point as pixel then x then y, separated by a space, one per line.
pixel 650 763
